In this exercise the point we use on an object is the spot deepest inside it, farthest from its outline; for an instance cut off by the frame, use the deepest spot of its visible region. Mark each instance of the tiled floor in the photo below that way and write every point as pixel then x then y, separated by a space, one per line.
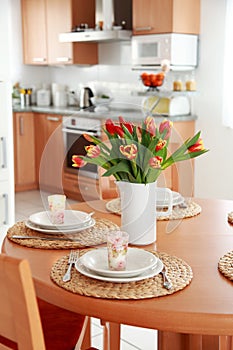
pixel 132 338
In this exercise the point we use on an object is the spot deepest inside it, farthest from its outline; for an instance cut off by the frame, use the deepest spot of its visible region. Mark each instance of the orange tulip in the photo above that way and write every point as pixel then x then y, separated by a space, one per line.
pixel 198 146
pixel 78 161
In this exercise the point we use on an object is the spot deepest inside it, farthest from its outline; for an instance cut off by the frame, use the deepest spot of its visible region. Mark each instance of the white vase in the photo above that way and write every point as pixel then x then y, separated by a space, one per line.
pixel 138 213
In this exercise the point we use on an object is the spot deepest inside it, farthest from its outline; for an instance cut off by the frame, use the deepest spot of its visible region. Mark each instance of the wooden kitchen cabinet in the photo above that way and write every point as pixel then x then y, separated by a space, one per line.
pixel 80 188
pixel 24 152
pixel 166 16
pixel 49 152
pixel 42 22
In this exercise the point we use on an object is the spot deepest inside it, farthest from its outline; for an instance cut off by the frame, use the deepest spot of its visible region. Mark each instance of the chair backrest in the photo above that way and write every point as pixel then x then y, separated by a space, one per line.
pixel 19 315
pixel 107 186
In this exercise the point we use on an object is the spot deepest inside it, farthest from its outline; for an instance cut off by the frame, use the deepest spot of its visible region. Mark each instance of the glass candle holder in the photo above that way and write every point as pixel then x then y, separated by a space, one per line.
pixel 117 245
pixel 57 204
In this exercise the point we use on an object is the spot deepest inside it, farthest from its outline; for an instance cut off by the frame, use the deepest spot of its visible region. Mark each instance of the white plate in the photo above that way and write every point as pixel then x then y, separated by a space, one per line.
pixel 61 230
pixel 162 202
pixel 138 260
pixel 151 272
pixel 72 218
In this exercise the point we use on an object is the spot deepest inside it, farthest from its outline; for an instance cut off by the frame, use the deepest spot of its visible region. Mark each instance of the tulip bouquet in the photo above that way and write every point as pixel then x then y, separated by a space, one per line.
pixel 137 154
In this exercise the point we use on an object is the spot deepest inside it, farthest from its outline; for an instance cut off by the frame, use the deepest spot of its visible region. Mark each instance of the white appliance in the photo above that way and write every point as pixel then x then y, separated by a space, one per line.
pixel 180 49
pixel 7 203
pixel 6 156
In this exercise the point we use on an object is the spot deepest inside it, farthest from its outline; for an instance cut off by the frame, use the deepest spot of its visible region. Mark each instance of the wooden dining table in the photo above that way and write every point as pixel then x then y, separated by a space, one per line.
pixel 198 317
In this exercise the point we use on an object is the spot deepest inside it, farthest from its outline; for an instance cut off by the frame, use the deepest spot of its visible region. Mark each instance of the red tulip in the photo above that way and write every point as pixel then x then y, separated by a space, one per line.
pixel 198 146
pixel 160 145
pixel 78 161
pixel 128 125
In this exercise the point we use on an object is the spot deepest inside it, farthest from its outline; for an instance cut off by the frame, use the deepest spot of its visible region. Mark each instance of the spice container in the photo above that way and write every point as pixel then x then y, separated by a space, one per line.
pixel 177 84
pixel 190 83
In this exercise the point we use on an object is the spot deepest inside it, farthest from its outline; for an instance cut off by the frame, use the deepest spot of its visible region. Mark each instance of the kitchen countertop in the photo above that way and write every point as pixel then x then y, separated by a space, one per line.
pixel 127 114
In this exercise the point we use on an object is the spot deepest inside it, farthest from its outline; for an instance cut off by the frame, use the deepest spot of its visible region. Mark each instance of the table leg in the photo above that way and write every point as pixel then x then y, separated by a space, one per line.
pixel 179 341
pixel 225 343
pixel 112 335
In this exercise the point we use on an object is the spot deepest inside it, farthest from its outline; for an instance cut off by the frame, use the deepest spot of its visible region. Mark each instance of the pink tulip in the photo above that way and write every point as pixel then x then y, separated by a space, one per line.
pixel 150 125
pixel 92 151
pixel 166 125
pixel 129 151
pixel 155 162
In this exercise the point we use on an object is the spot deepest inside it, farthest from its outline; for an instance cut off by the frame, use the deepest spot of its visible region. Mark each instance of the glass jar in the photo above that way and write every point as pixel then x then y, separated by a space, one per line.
pixel 177 84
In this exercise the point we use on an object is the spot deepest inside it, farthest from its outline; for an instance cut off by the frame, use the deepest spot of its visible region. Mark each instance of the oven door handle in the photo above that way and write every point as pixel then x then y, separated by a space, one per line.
pixel 79 132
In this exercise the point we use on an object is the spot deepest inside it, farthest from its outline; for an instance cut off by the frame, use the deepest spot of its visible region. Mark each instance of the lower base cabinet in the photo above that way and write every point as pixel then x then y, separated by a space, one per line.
pixel 24 152
pixel 80 188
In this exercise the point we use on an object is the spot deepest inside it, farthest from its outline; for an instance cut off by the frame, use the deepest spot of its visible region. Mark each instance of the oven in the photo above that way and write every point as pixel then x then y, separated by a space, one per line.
pixel 73 129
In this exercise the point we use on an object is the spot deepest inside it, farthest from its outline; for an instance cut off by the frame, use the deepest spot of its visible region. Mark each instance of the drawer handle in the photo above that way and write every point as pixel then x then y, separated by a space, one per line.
pixel 53 119
pixel 21 126
pixel 63 59
pixel 39 59
pixel 4 157
pixel 5 197
pixel 141 29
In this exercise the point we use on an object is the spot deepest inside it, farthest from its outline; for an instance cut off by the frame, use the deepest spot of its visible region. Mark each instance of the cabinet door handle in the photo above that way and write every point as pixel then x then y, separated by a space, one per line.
pixel 53 119
pixel 140 29
pixel 5 198
pixel 39 59
pixel 63 59
pixel 21 125
pixel 4 156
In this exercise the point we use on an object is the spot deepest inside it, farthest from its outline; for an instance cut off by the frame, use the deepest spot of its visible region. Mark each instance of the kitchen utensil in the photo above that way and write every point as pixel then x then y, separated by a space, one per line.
pixel 166 281
pixel 74 255
pixel 85 97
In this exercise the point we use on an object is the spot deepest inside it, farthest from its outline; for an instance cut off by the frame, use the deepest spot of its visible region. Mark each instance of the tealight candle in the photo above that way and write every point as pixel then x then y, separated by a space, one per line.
pixel 57 203
pixel 117 244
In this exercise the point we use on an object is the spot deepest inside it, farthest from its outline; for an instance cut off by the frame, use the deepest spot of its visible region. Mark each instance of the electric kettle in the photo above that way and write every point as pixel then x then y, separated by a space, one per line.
pixel 85 97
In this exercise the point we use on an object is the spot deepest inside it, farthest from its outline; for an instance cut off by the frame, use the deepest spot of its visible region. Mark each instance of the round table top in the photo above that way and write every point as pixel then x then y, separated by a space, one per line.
pixel 203 307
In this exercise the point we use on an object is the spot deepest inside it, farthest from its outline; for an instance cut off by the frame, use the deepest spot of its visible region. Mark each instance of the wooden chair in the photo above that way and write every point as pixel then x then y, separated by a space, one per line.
pixel 107 186
pixel 24 325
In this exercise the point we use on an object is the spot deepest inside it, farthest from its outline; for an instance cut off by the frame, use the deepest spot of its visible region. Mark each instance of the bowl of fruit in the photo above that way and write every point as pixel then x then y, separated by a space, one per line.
pixel 153 81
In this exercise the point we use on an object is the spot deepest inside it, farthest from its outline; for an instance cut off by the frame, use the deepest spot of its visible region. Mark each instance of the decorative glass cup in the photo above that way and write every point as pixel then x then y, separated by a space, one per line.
pixel 117 244
pixel 57 204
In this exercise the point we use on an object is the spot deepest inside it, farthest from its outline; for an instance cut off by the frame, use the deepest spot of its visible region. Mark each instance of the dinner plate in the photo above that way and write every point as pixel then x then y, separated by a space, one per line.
pixel 138 260
pixel 162 201
pixel 114 205
pixel 85 226
pixel 151 272
pixel 72 218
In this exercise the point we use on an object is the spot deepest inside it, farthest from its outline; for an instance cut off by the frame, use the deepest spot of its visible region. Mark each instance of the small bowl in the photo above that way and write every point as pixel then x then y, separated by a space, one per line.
pixel 97 101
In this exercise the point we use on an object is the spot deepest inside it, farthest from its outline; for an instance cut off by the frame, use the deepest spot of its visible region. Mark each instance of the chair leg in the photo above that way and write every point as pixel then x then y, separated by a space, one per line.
pixel 112 335
pixel 84 341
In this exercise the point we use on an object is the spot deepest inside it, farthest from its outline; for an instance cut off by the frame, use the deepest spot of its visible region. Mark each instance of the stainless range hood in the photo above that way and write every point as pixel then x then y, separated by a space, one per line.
pixel 96 36
pixel 108 12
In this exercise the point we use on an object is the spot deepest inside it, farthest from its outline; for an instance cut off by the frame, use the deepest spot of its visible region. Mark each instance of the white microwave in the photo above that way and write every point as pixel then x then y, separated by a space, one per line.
pixel 180 49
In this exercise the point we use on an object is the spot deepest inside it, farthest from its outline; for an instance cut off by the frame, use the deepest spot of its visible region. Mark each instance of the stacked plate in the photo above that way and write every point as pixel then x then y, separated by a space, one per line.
pixel 162 200
pixel 74 221
pixel 141 264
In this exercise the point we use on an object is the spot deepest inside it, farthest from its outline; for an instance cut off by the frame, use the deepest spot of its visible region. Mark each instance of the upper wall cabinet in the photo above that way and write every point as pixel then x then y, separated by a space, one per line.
pixel 43 20
pixel 166 16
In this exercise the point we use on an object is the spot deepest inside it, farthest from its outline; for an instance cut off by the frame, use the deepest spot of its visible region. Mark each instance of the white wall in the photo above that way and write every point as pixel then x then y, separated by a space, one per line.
pixel 213 171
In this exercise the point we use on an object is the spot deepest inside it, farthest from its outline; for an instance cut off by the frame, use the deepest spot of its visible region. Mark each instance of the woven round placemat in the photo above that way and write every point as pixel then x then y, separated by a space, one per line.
pixel 225 265
pixel 179 272
pixel 89 237
pixel 178 212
